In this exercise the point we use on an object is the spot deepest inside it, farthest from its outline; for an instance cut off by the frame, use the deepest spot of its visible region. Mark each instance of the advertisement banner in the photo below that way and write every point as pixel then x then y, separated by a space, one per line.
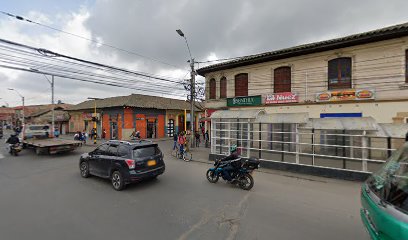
pixel 244 101
pixel 285 97
pixel 345 95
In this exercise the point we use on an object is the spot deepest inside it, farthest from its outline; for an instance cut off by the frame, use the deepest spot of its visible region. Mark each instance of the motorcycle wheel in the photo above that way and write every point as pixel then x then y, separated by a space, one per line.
pixel 246 182
pixel 211 176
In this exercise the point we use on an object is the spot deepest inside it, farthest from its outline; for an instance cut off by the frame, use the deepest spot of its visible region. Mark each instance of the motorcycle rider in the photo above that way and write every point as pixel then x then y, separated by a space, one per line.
pixel 233 164
pixel 12 140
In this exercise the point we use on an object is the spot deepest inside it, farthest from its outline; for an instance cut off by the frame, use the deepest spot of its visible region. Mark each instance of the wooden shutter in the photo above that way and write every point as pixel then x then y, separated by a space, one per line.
pixel 213 89
pixel 339 73
pixel 223 87
pixel 241 84
pixel 282 80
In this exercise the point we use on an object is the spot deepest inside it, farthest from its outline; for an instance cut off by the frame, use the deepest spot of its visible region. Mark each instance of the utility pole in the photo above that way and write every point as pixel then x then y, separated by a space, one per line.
pixel 52 104
pixel 192 90
pixel 192 94
pixel 94 118
pixel 23 122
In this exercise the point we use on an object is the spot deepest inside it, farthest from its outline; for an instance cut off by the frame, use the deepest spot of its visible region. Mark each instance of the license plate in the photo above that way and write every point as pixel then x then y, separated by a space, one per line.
pixel 151 163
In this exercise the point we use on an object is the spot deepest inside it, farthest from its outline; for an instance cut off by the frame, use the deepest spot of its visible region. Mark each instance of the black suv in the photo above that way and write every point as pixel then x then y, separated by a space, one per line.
pixel 123 162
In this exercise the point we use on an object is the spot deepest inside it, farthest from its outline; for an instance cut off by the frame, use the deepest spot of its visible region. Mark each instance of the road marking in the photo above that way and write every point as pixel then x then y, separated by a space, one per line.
pixel 1 156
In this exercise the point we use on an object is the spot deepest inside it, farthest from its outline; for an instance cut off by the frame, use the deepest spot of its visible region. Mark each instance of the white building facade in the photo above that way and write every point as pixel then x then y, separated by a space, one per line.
pixel 359 80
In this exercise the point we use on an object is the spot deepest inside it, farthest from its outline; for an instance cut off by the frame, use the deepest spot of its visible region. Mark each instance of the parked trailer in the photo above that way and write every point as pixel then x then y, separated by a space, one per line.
pixel 51 145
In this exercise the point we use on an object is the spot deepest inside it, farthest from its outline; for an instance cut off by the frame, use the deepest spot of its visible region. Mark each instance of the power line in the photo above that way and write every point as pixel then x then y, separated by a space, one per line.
pixel 27 59
pixel 88 39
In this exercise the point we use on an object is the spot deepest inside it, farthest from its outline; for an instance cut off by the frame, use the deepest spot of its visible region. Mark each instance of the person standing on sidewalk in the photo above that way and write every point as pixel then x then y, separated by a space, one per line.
pixel 207 138
pixel 175 139
pixel 197 139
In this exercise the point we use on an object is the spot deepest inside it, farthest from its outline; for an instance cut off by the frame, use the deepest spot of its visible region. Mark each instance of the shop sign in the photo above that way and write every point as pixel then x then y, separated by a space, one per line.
pixel 285 97
pixel 244 101
pixel 345 95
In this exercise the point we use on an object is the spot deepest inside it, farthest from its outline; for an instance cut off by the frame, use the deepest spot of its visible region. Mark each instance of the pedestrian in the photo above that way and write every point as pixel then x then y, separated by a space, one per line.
pixel 175 138
pixel 56 133
pixel 103 133
pixel 93 133
pixel 135 135
pixel 84 136
pixel 197 138
pixel 181 142
pixel 207 139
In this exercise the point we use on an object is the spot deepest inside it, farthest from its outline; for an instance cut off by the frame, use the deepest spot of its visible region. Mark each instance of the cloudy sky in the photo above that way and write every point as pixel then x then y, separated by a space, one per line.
pixel 214 28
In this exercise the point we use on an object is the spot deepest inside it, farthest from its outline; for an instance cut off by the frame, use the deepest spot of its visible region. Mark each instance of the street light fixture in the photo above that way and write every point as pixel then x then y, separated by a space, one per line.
pixel 94 98
pixel 192 88
pixel 23 120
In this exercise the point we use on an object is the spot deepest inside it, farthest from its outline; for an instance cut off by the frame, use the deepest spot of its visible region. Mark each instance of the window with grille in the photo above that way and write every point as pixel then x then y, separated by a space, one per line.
pixel 223 87
pixel 282 80
pixel 339 73
pixel 213 89
pixel 241 85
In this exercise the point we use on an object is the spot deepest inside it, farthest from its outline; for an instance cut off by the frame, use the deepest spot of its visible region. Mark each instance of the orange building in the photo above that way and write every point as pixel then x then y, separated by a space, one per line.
pixel 153 117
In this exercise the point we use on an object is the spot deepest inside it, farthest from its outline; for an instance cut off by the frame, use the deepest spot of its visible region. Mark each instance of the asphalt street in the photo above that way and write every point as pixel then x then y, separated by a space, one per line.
pixel 44 197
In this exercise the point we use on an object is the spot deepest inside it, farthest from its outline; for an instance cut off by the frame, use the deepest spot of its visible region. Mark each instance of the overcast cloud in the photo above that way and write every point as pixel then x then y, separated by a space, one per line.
pixel 214 29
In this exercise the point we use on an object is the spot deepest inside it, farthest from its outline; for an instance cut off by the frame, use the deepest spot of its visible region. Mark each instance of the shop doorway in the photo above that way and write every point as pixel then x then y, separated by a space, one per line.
pixel 181 123
pixel 170 128
pixel 151 129
pixel 114 130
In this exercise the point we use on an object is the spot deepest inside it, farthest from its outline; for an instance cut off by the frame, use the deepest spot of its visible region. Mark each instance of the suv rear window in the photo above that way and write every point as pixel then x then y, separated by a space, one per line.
pixel 142 152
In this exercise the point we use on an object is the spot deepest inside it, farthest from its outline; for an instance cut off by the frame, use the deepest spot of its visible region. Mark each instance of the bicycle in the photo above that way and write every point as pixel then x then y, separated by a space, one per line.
pixel 186 156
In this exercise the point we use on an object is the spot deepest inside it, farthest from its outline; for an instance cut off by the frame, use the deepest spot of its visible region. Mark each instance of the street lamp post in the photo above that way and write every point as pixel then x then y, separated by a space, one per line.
pixel 93 98
pixel 23 121
pixel 192 88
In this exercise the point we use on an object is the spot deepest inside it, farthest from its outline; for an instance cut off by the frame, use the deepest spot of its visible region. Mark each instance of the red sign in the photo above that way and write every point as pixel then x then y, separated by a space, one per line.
pixel 285 97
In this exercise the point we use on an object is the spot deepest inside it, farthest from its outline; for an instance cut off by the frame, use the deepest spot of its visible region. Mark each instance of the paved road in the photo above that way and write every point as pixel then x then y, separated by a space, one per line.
pixel 44 197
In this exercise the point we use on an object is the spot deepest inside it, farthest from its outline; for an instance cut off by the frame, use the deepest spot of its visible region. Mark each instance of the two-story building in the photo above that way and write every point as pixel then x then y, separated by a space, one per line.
pixel 350 83
pixel 359 75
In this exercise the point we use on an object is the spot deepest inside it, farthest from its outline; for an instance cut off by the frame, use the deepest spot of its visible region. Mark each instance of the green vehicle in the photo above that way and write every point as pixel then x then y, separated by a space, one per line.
pixel 384 199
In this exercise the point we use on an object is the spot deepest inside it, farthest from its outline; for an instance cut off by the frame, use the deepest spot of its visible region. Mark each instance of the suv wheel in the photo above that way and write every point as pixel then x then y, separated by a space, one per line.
pixel 84 168
pixel 117 181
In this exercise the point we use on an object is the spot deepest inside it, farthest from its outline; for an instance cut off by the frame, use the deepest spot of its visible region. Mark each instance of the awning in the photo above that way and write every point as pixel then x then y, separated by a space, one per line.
pixel 237 114
pixel 283 118
pixel 362 124
pixel 395 130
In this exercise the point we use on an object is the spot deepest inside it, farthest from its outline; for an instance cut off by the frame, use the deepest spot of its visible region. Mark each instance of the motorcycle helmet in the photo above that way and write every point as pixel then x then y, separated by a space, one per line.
pixel 233 148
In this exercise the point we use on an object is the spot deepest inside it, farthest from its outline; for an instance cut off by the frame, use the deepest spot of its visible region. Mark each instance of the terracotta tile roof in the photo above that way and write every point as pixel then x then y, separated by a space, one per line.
pixel 7 111
pixel 381 34
pixel 134 100
pixel 46 108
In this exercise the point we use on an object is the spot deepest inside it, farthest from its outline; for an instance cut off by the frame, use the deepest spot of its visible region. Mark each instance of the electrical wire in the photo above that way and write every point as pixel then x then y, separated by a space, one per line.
pixel 88 39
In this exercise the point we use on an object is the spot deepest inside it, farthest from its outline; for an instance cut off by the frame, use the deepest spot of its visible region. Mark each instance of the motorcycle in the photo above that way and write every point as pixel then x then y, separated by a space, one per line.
pixel 15 149
pixel 242 176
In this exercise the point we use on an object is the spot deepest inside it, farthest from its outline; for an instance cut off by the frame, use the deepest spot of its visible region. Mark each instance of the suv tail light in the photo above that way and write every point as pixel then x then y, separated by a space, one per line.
pixel 131 163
